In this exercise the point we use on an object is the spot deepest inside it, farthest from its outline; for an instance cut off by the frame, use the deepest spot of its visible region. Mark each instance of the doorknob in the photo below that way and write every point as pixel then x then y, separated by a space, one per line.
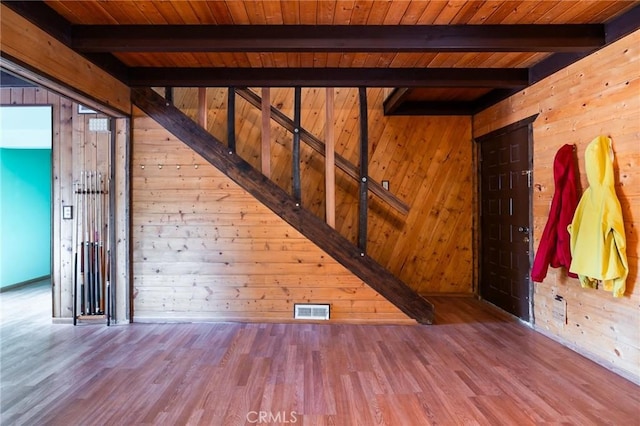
pixel 523 229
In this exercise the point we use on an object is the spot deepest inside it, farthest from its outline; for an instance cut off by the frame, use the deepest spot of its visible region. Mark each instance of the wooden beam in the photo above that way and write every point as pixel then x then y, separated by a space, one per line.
pixel 319 146
pixel 330 160
pixel 281 203
pixel 43 17
pixel 28 50
pixel 329 77
pixel 295 157
pixel 491 98
pixel 364 171
pixel 395 99
pixel 231 120
pixel 337 38
pixel 203 106
pixel 432 108
pixel 265 152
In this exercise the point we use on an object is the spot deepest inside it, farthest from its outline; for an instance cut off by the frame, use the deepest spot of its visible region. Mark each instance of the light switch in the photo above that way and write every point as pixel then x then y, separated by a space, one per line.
pixel 67 212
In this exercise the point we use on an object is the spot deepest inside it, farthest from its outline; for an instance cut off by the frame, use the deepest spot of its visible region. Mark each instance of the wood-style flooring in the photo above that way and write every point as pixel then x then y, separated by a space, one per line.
pixel 474 366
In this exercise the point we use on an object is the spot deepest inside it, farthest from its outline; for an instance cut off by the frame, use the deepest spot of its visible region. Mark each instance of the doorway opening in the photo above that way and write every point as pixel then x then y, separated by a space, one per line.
pixel 77 171
pixel 25 191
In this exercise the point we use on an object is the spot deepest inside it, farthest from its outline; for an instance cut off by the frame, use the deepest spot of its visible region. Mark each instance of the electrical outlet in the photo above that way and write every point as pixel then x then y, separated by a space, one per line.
pixel 67 212
pixel 559 310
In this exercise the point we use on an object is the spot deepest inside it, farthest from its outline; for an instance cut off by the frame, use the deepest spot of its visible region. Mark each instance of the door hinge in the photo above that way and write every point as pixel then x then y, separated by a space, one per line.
pixel 528 173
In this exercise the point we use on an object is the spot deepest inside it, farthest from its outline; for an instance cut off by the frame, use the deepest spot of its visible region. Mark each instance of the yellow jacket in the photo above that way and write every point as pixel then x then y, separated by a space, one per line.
pixel 598 244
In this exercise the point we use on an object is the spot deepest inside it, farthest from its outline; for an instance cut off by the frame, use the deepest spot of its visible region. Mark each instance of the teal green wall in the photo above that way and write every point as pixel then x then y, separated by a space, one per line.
pixel 25 215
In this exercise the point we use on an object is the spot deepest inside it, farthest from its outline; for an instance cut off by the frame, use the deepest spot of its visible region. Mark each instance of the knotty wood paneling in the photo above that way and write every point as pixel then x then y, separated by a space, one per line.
pixel 597 95
pixel 203 248
pixel 427 160
pixel 122 221
pixel 337 12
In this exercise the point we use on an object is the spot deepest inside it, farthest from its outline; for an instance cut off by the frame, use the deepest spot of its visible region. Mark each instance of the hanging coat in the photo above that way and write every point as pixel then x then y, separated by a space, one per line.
pixel 598 243
pixel 554 248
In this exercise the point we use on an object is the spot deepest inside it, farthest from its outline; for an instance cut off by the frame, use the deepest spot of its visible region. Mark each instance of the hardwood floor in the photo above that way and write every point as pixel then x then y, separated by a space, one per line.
pixel 475 366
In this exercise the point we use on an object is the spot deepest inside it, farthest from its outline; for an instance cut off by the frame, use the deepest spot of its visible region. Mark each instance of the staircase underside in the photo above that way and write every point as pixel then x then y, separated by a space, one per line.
pixel 281 203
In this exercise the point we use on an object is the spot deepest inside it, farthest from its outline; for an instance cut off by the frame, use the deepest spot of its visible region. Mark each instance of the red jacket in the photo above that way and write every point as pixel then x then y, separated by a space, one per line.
pixel 554 248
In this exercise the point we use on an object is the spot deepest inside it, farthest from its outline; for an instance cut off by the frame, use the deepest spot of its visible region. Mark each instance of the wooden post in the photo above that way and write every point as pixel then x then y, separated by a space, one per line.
pixel 231 120
pixel 202 106
pixel 265 153
pixel 330 161
pixel 364 171
pixel 295 174
pixel 168 94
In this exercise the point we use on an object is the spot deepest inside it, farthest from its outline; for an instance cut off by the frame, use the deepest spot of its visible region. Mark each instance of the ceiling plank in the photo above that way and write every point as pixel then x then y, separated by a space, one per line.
pixel 329 77
pixel 337 38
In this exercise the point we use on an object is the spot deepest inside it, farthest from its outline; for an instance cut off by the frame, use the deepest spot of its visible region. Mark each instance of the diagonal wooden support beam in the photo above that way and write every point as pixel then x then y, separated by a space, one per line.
pixel 319 146
pixel 281 203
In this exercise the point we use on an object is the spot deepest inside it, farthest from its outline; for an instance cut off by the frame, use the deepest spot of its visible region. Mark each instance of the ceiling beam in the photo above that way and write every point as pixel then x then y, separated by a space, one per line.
pixel 395 99
pixel 337 38
pixel 329 77
pixel 48 20
pixel 432 108
pixel 42 16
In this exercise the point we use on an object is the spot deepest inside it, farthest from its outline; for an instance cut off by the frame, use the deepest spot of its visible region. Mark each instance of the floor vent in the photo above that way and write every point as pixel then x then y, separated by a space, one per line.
pixel 311 312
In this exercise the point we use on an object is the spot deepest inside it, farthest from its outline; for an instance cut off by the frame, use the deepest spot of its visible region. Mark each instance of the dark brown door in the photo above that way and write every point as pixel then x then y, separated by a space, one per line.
pixel 505 181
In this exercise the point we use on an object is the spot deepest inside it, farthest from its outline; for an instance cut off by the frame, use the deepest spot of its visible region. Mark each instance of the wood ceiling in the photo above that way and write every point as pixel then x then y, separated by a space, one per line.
pixel 443 56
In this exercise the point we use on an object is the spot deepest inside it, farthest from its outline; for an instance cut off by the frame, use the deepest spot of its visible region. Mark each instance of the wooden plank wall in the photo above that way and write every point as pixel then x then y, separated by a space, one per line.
pixel 428 161
pixel 74 148
pixel 597 95
pixel 122 221
pixel 203 248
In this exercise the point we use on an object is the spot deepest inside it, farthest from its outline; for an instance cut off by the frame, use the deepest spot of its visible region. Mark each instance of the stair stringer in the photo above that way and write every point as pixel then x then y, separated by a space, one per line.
pixel 276 199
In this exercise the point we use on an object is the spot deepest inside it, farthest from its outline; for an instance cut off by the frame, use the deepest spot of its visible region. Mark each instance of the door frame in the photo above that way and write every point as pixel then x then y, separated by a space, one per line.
pixel 528 122
pixel 121 134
